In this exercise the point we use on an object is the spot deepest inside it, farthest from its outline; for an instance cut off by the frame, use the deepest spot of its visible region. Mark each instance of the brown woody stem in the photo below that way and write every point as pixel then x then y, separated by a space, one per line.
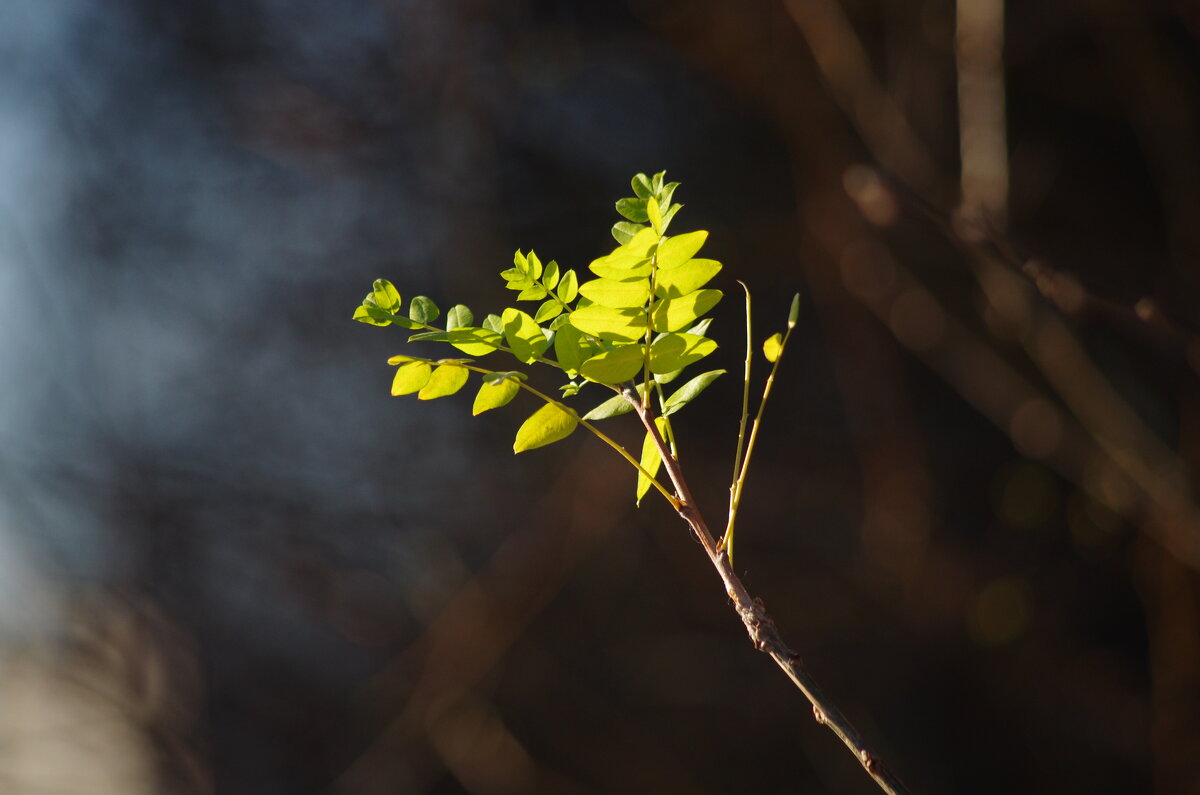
pixel 759 625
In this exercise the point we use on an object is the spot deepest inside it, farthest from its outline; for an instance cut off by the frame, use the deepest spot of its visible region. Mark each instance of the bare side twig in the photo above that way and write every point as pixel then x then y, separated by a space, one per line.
pixel 759 625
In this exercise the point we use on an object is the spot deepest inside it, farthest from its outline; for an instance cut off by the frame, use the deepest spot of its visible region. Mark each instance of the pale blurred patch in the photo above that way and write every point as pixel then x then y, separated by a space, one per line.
pixel 104 703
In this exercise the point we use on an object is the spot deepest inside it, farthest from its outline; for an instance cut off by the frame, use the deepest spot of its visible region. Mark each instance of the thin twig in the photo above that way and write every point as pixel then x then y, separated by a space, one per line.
pixel 734 495
pixel 739 481
pixel 759 625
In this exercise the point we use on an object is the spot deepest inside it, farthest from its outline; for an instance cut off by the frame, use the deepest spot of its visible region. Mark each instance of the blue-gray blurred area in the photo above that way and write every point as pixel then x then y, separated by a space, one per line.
pixel 231 563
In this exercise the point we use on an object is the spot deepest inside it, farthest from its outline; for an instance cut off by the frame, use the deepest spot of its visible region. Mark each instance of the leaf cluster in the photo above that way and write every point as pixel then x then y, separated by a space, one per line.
pixel 632 323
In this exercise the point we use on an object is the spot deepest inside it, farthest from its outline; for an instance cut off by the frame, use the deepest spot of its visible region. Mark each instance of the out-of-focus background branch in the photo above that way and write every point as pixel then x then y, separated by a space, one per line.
pixel 229 562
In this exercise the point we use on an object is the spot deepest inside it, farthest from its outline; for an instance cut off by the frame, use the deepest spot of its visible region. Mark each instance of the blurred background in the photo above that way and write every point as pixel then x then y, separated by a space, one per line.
pixel 231 563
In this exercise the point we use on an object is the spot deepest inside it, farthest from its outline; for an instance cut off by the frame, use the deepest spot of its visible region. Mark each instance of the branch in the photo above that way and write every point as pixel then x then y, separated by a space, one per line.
pixel 759 625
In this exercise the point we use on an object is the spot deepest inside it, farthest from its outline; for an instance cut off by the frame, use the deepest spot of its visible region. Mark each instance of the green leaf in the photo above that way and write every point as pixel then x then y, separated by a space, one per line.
pixel 535 266
pixel 373 315
pixel 624 231
pixel 494 394
pixel 616 294
pixel 493 323
pixel 547 425
pixel 684 278
pixel 681 248
pixel 666 378
pixel 570 389
pixel 629 260
pixel 676 313
pixel 657 182
pixel 385 295
pixel 676 351
pixel 699 330
pixel 571 349
pixel 550 275
pixel 520 262
pixel 633 209
pixel 689 391
pixel 514 275
pixel 642 242
pixel 423 310
pixel 568 288
pixel 655 214
pixel 459 317
pixel 523 283
pixel 613 367
pixel 635 272
pixel 410 377
pixel 622 325
pixel 559 322
pixel 428 336
pixel 474 341
pixel 548 311
pixel 664 197
pixel 524 335
pixel 445 380
pixel 794 312
pixel 772 347
pixel 641 186
pixel 534 292
pixel 651 459
pixel 613 407
pixel 669 214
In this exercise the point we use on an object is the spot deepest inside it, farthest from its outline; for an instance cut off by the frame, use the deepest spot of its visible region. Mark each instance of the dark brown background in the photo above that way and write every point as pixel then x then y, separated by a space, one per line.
pixel 989 565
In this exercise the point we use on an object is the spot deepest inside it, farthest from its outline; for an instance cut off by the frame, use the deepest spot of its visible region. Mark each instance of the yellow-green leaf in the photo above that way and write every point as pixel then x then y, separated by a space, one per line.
pixel 625 231
pixel 673 352
pixel 533 265
pixel 623 325
pixel 613 407
pixel 524 335
pixel 674 314
pixel 772 347
pixel 636 272
pixel 568 288
pixel 567 344
pixel 474 341
pixel 410 378
pixel 630 261
pixel 547 425
pixel 651 459
pixel 386 296
pixel 639 246
pixel 401 358
pixel 550 275
pixel 373 315
pixel 615 366
pixel 534 292
pixel 494 394
pixel 616 294
pixel 548 311
pixel 690 391
pixel 685 277
pixel 655 214
pixel 445 380
pixel 681 248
